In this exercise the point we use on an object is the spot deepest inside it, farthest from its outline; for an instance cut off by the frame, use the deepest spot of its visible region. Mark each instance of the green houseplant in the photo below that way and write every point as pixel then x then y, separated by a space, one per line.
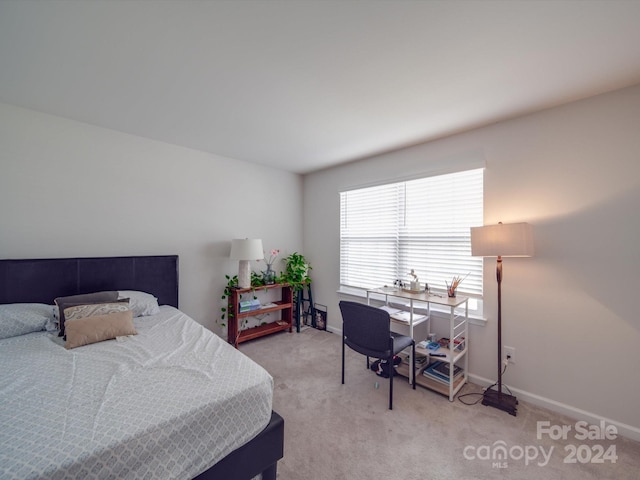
pixel 296 272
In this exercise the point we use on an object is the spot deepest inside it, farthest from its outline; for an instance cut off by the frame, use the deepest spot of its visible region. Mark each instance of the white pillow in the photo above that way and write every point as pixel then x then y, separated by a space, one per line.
pixel 140 303
pixel 22 318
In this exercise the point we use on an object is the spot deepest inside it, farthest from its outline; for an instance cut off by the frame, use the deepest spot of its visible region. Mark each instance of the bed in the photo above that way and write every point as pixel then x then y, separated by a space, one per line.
pixel 150 405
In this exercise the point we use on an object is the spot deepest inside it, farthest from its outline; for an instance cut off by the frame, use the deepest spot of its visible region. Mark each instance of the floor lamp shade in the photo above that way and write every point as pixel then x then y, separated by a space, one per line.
pixel 245 250
pixel 501 240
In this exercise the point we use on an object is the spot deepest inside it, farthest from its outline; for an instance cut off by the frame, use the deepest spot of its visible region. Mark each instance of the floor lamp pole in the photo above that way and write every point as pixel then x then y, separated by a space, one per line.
pixel 499 279
pixel 495 398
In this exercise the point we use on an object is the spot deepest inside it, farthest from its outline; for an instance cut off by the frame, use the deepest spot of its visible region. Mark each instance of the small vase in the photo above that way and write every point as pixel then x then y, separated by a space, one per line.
pixel 269 276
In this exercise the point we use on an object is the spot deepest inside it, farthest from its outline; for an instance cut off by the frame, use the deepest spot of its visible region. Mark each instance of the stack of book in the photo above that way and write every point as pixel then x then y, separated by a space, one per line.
pixel 249 305
pixel 440 372
pixel 421 360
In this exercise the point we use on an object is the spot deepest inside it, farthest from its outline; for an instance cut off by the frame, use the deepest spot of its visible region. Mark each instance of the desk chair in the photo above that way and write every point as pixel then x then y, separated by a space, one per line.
pixel 367 330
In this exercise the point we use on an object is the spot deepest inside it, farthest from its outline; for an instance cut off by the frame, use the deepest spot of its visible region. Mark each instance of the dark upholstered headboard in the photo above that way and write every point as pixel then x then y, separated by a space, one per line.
pixel 43 280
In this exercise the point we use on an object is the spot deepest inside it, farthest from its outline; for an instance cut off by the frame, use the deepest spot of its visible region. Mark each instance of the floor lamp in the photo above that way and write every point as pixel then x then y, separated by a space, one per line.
pixel 501 240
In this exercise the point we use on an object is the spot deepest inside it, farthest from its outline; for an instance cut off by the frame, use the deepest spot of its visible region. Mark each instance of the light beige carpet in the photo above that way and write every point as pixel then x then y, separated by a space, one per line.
pixel 345 432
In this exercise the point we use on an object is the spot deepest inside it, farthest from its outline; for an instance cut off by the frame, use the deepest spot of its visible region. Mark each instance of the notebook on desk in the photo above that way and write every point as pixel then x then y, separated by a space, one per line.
pixel 390 310
pixel 401 316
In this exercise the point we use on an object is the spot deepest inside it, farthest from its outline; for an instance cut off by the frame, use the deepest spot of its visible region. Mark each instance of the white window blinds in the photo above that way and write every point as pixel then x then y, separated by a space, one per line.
pixel 423 224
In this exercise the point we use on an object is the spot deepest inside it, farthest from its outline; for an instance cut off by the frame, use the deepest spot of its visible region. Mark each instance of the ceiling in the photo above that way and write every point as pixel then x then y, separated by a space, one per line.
pixel 304 85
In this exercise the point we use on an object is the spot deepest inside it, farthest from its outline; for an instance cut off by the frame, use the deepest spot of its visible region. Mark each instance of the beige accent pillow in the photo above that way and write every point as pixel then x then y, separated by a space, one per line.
pixel 84 331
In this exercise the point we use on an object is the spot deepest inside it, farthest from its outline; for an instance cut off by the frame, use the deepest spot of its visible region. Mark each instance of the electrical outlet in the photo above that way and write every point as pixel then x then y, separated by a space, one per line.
pixel 509 354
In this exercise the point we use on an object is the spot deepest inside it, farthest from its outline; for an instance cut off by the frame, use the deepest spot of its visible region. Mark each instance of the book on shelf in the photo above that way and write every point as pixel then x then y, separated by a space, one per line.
pixel 427 374
pixel 249 305
pixel 436 369
pixel 420 361
pixel 442 381
pixel 444 369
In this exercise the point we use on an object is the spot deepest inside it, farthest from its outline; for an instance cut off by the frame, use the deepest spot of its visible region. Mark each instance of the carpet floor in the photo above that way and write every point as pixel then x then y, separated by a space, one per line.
pixel 346 432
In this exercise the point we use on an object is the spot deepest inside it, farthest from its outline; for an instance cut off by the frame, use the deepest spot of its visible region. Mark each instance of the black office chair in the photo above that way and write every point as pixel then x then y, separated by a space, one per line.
pixel 367 330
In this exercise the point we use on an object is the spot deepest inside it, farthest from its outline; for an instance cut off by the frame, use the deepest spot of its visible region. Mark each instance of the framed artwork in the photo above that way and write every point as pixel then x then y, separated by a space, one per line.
pixel 319 317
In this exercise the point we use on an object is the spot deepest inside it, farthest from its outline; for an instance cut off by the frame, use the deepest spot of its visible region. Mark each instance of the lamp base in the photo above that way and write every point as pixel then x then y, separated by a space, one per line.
pixel 505 402
pixel 244 274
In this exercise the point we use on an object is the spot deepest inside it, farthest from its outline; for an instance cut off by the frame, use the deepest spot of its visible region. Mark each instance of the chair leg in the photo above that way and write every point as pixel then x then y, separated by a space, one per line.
pixel 413 364
pixel 391 372
pixel 367 362
pixel 343 360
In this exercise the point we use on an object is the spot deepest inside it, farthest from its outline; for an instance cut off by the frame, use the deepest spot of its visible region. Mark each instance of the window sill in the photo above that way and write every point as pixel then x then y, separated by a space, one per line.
pixel 439 312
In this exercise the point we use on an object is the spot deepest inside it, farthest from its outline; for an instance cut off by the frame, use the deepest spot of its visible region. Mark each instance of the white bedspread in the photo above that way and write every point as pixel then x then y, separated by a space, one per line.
pixel 166 403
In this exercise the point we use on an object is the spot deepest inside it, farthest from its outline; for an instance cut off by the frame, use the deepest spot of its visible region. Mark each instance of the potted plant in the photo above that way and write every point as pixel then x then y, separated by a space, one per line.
pixel 296 272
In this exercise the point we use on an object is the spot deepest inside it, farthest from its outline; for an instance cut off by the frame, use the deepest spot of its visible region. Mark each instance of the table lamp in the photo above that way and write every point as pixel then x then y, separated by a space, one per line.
pixel 245 250
pixel 501 240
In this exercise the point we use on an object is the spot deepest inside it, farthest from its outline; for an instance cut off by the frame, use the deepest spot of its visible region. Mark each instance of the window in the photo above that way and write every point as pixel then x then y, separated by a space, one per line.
pixel 423 224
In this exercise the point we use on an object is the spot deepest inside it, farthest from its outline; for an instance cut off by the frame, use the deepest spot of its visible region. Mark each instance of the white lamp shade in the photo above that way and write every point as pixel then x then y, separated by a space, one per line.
pixel 502 240
pixel 246 249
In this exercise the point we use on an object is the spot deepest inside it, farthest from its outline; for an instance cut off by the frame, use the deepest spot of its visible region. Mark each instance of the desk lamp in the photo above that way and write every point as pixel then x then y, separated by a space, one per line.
pixel 501 240
pixel 245 250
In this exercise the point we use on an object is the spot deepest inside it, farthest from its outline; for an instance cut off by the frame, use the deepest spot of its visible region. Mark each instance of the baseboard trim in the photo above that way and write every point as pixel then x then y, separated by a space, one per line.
pixel 334 330
pixel 625 430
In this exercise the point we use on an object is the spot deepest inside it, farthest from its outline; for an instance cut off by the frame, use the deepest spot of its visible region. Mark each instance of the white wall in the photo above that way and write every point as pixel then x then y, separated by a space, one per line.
pixel 69 189
pixel 573 172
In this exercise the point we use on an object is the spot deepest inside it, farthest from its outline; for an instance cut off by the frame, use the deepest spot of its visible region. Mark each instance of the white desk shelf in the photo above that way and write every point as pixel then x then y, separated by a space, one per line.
pixel 458 313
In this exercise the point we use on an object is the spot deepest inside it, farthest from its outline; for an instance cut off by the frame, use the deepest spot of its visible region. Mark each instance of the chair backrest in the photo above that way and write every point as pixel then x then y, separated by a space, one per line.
pixel 366 329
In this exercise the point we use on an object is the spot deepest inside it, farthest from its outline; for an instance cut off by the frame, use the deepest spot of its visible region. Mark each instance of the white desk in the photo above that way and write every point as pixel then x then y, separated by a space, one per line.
pixel 458 332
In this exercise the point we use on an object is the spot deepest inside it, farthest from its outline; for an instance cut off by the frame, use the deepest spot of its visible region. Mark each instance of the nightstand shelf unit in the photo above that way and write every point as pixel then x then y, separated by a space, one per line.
pixel 237 335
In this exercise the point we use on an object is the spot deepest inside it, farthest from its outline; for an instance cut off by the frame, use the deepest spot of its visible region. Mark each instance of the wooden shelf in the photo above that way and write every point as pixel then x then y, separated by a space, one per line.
pixel 284 305
pixel 279 306
pixel 441 351
pixel 240 291
pixel 262 330
pixel 437 386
